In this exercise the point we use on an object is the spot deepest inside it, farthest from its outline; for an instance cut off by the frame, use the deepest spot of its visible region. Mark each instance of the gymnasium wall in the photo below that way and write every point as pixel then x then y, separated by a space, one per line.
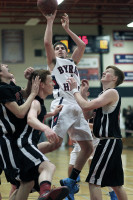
pixel 33 39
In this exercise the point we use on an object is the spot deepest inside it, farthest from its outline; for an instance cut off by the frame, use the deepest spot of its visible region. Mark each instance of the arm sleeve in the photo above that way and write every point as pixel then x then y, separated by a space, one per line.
pixel 7 94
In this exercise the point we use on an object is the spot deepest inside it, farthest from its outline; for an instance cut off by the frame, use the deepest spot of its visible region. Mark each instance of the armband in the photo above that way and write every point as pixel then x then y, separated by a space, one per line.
pixel 74 91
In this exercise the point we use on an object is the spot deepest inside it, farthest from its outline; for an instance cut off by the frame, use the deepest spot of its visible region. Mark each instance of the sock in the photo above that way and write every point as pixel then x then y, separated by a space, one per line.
pixel 74 174
pixel 45 186
pixel 110 189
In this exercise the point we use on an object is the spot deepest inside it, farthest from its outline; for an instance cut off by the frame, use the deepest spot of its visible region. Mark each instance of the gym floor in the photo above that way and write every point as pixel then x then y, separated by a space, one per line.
pixel 61 159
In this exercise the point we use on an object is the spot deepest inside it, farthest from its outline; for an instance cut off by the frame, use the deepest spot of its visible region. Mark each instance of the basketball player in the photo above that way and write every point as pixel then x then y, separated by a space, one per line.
pixel 11 100
pixel 106 167
pixel 74 154
pixel 24 147
pixel 70 120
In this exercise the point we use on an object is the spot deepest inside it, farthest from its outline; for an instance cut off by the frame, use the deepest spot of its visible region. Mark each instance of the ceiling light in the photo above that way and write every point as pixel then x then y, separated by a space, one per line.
pixel 32 22
pixel 60 1
pixel 130 24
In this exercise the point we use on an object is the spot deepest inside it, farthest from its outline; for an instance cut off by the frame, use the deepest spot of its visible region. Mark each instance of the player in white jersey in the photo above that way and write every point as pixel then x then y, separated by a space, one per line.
pixel 71 119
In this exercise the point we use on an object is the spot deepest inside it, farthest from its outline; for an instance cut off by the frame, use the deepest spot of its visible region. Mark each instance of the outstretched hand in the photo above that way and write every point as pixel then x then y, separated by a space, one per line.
pixel 27 72
pixel 35 85
pixel 72 83
pixel 51 16
pixel 65 21
pixel 84 88
pixel 51 135
pixel 58 109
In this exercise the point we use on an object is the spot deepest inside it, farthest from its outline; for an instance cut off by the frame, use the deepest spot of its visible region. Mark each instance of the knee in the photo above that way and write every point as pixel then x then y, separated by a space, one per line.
pixel 88 149
pixel 52 167
pixel 47 166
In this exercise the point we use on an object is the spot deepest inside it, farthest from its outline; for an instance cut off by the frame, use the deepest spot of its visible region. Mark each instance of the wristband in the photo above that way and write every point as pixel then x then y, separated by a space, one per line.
pixel 74 91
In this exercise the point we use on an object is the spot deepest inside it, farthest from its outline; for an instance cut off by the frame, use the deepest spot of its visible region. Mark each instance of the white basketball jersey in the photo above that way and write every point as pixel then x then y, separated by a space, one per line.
pixel 64 68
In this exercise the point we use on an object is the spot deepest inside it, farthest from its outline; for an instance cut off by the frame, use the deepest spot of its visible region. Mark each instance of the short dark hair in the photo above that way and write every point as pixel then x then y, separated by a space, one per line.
pixel 58 43
pixel 41 73
pixel 119 73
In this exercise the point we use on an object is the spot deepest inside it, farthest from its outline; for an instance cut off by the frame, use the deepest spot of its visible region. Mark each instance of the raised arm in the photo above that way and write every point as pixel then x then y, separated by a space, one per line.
pixel 48 41
pixel 79 51
pixel 26 91
pixel 21 111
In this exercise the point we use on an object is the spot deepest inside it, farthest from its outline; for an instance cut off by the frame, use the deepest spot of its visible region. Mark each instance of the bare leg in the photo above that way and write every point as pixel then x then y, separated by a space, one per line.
pixel 70 169
pixel 13 195
pixel 85 152
pixel 24 190
pixel 95 192
pixel 46 170
pixel 120 192
pixel 13 188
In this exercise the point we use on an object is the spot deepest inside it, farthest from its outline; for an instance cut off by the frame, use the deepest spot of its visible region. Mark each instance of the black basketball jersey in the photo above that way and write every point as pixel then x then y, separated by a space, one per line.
pixel 31 135
pixel 10 125
pixel 107 125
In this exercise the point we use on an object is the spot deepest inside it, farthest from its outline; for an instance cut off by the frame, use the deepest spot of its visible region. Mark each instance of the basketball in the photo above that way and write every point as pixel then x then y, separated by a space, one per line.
pixel 47 7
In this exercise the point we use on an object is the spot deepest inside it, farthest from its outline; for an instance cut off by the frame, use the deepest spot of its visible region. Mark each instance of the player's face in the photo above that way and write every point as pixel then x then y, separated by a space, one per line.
pixel 48 85
pixel 5 72
pixel 108 75
pixel 60 51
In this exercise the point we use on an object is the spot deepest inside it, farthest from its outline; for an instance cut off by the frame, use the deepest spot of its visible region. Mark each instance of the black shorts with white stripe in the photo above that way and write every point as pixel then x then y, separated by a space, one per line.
pixel 106 167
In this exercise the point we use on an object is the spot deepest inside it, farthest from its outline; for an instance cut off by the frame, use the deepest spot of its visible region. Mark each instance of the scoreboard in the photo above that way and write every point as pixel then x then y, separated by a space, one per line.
pixel 94 44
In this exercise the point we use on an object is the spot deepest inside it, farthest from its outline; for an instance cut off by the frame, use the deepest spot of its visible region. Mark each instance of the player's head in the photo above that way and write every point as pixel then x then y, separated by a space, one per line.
pixel 46 84
pixel 4 73
pixel 118 73
pixel 60 50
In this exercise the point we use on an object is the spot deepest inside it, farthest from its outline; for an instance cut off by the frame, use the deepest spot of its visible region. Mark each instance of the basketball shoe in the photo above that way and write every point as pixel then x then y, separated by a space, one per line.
pixel 113 195
pixel 78 178
pixel 55 194
pixel 73 187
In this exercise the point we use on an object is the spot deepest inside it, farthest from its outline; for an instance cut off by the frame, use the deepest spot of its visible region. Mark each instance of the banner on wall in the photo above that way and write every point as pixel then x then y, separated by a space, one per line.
pixel 89 74
pixel 128 76
pixel 12 46
pixel 90 62
pixel 123 35
pixel 89 68
pixel 123 58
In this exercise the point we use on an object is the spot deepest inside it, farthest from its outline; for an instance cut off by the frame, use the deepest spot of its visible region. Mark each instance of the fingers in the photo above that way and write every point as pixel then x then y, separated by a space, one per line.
pixel 52 15
pixel 35 84
pixel 70 80
pixel 53 138
pixel 65 15
pixel 36 80
pixel 85 82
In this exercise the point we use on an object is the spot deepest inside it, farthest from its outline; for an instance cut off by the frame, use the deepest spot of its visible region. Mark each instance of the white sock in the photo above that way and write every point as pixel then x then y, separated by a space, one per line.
pixel 110 189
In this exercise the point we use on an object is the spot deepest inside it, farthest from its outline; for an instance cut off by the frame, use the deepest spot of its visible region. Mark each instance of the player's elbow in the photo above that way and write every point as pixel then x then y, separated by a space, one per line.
pixel 29 121
pixel 20 115
pixel 83 46
pixel 47 43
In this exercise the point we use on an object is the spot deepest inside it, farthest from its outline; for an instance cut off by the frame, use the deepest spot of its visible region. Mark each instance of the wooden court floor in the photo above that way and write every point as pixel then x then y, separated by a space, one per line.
pixel 61 159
